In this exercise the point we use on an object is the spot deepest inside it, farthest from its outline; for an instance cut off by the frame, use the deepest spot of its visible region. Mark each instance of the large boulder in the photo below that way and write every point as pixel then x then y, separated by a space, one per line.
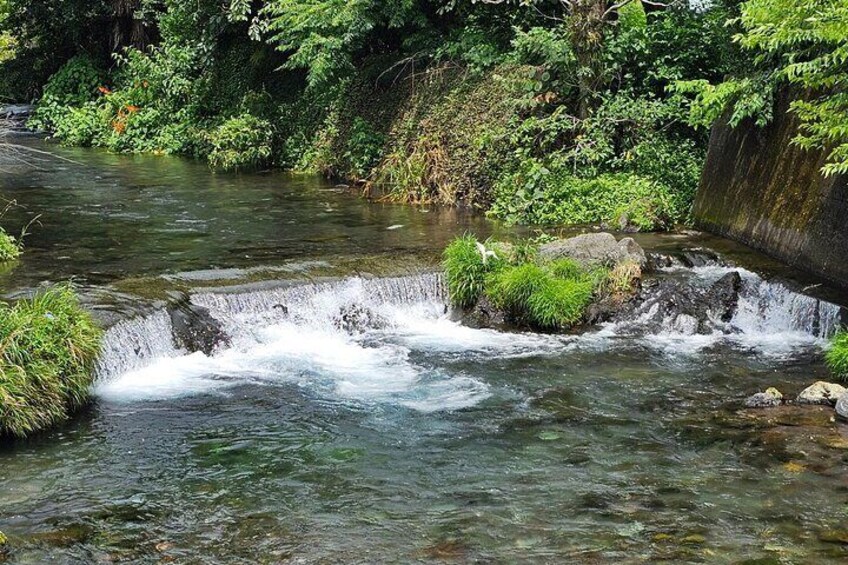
pixel 595 249
pixel 821 393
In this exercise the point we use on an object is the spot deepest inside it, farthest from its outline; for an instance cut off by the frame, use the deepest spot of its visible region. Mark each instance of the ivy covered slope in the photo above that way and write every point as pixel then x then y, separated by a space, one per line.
pixel 517 285
pixel 48 346
pixel 541 112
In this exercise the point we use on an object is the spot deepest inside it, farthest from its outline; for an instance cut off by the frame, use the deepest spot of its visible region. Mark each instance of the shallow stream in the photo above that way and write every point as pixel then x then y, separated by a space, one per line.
pixel 350 420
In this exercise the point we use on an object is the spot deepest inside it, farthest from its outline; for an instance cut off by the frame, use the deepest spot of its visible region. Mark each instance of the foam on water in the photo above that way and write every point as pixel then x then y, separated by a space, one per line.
pixel 384 340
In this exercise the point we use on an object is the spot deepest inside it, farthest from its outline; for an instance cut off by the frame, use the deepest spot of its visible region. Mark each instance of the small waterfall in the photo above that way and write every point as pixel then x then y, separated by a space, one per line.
pixel 358 338
pixel 134 343
pixel 770 307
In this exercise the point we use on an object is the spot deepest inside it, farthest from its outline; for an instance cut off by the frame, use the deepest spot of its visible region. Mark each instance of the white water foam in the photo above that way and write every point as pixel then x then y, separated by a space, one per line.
pixel 770 319
pixel 368 340
pixel 352 340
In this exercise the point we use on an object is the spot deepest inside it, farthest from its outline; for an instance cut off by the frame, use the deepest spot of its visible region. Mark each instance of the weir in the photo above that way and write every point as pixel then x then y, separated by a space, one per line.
pixel 405 314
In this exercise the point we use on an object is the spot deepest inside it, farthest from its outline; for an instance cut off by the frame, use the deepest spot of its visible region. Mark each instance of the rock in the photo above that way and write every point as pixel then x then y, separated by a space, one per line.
pixel 194 328
pixel 771 397
pixel 701 257
pixel 723 296
pixel 821 393
pixel 356 318
pixel 663 304
pixel 842 406
pixel 594 249
pixel 632 251
pixel 483 315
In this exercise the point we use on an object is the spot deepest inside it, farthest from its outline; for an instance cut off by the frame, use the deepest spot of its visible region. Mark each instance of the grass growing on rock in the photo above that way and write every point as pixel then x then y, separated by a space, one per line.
pixel 547 295
pixel 48 346
pixel 837 355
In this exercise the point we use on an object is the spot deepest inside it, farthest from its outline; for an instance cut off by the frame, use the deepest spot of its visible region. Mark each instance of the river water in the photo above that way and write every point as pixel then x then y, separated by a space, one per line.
pixel 350 420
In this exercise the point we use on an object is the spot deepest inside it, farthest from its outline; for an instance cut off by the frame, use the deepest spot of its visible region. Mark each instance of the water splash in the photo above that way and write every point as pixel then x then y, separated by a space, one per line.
pixel 387 340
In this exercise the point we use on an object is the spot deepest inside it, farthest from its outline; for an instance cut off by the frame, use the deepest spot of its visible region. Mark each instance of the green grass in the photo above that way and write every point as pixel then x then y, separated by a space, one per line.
pixel 540 296
pixel 837 355
pixel 10 249
pixel 466 270
pixel 48 346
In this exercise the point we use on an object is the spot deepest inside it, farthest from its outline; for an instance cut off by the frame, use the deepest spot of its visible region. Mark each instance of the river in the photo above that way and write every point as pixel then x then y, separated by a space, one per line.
pixel 351 420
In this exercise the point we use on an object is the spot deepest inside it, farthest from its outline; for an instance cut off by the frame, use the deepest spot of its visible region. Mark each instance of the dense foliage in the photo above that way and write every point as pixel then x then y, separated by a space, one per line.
pixel 543 112
pixel 10 248
pixel 804 44
pixel 47 351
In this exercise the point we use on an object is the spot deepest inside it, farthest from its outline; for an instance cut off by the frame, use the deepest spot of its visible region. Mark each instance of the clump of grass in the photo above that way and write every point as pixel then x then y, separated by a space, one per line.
pixel 539 296
pixel 48 346
pixel 466 263
pixel 10 248
pixel 622 278
pixel 837 355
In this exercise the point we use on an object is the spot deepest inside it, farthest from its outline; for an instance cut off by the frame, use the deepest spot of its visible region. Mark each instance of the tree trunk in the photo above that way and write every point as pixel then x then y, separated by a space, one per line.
pixel 586 26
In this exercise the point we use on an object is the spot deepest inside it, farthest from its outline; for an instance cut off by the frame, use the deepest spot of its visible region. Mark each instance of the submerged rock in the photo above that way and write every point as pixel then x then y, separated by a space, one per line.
pixel 821 393
pixel 355 318
pixel 195 329
pixel 771 397
pixel 594 249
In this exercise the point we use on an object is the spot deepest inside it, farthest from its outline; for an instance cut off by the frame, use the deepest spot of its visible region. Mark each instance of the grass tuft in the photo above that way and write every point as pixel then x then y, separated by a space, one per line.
pixel 837 355
pixel 466 269
pixel 539 296
pixel 48 346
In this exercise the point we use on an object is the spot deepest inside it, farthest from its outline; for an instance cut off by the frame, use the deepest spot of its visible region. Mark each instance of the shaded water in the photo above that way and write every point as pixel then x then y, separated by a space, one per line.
pixel 353 421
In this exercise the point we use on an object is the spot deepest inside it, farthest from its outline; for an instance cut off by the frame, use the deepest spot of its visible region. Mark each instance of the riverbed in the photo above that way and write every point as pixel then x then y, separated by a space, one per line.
pixel 405 436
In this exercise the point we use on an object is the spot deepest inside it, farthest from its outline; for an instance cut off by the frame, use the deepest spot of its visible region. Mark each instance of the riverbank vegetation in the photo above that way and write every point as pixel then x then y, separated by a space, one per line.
pixel 539 112
pixel 545 112
pixel 10 249
pixel 48 346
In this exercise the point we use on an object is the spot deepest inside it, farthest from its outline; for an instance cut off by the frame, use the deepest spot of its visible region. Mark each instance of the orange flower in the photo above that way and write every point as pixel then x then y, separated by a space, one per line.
pixel 132 109
pixel 104 90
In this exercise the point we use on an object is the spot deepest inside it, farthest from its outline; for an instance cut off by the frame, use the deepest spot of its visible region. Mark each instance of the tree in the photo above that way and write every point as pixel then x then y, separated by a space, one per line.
pixel 808 43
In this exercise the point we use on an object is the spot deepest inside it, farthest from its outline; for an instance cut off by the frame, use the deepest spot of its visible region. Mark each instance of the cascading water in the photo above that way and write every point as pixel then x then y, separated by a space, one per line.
pixel 370 340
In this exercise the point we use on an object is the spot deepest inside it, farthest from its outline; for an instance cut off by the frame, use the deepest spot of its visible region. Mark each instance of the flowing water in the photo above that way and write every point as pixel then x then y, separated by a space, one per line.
pixel 350 418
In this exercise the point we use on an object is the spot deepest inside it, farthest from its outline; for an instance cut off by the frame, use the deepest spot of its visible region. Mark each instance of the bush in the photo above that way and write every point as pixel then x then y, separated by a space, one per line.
pixel 48 346
pixel 241 142
pixel 552 195
pixel 466 269
pixel 74 85
pixel 837 355
pixel 10 249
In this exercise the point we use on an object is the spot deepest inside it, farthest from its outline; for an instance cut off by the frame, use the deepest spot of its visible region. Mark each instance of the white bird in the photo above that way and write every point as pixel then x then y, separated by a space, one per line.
pixel 485 253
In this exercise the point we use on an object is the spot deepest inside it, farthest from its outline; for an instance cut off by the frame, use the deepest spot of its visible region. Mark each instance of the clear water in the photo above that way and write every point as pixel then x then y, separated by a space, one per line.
pixel 407 438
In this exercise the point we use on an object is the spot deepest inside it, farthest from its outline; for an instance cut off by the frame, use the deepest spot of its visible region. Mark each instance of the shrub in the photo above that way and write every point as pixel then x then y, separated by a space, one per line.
pixel 837 355
pixel 466 266
pixel 74 85
pixel 48 347
pixel 241 142
pixel 552 195
pixel 10 249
